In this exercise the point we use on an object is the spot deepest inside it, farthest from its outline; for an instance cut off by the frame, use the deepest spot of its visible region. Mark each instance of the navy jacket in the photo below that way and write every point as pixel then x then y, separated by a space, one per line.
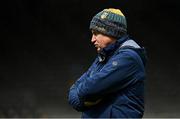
pixel 114 84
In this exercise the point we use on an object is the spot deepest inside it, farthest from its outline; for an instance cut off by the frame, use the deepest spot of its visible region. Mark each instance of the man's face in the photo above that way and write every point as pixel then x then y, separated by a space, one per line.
pixel 101 41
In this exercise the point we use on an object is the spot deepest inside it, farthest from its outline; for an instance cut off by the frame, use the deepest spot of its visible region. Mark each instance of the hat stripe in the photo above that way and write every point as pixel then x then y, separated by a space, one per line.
pixel 115 11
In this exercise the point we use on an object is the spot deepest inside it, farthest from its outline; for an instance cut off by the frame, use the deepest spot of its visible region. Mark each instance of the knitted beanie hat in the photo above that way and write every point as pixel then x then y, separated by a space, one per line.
pixel 110 22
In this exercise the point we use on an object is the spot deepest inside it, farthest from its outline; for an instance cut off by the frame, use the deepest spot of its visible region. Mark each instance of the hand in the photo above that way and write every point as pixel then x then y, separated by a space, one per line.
pixel 90 103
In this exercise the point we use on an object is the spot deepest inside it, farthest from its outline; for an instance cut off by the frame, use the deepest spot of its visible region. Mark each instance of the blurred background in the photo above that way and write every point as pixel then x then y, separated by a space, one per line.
pixel 45 46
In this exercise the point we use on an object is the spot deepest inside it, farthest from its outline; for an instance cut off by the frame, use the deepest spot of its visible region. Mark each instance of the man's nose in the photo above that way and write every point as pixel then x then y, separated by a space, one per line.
pixel 93 39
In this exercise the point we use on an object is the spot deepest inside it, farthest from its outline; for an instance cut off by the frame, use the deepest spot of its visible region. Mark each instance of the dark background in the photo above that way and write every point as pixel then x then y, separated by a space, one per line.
pixel 45 46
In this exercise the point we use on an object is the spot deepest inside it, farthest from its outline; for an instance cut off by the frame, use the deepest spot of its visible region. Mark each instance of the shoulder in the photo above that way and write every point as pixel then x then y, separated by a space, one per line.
pixel 133 55
pixel 124 55
pixel 128 51
pixel 129 48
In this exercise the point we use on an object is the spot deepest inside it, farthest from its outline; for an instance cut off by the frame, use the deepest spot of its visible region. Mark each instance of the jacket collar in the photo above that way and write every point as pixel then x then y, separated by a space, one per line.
pixel 107 51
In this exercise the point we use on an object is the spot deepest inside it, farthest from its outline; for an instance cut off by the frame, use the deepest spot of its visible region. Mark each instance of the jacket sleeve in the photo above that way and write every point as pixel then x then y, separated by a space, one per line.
pixel 73 97
pixel 115 75
pixel 85 75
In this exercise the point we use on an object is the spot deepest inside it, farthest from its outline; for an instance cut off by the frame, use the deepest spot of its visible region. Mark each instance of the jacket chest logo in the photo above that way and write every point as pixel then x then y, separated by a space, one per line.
pixel 114 63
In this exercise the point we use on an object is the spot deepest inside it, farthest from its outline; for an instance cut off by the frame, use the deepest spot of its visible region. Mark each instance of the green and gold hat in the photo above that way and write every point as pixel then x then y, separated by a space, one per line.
pixel 111 22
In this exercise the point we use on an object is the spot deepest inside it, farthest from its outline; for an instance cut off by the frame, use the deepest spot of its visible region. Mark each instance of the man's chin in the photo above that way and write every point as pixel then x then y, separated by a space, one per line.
pixel 98 50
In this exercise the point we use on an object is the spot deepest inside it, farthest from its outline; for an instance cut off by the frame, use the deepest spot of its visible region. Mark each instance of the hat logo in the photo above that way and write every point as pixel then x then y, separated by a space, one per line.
pixel 104 15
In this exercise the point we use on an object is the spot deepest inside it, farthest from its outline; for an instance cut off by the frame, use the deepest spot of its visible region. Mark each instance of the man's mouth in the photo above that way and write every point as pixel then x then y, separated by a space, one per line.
pixel 96 45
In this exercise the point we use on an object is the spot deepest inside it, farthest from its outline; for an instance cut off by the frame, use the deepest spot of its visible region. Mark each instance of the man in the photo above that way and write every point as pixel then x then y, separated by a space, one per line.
pixel 113 87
